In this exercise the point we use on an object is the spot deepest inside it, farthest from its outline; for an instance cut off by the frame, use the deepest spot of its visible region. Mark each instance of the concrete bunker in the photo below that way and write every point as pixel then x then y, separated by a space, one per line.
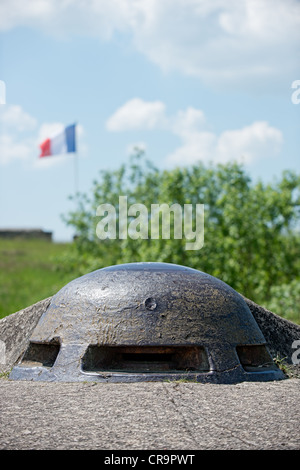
pixel 147 322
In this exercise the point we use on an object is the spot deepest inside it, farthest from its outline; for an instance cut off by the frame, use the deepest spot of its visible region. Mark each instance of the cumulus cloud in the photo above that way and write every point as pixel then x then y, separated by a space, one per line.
pixel 187 122
pixel 15 139
pixel 258 140
pixel 236 43
pixel 245 43
pixel 137 114
pixel 2 92
pixel 67 17
pixel 14 117
pixel 247 144
pixel 12 148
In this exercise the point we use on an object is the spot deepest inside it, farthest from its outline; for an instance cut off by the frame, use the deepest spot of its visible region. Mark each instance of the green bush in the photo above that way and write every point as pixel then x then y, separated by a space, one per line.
pixel 252 239
pixel 285 300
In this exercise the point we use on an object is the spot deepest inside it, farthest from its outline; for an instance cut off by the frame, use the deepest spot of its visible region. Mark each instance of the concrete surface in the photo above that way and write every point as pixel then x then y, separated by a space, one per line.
pixel 142 416
pixel 15 331
pixel 148 416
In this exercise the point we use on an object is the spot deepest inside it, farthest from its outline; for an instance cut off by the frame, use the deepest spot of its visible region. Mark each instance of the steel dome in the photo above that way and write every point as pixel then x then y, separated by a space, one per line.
pixel 147 322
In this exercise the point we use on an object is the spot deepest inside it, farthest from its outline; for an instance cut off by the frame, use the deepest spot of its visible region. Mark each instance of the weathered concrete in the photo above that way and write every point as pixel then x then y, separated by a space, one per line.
pixel 154 416
pixel 158 416
pixel 278 332
pixel 16 329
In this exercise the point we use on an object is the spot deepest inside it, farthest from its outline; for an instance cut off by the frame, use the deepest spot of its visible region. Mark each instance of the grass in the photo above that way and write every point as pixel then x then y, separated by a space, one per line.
pixel 29 272
pixel 5 374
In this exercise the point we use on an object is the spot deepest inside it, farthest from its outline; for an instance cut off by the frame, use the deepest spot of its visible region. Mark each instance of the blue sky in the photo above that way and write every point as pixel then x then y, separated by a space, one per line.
pixel 187 80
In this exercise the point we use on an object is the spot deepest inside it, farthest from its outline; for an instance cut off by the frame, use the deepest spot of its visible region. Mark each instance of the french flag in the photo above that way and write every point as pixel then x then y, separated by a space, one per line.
pixel 63 142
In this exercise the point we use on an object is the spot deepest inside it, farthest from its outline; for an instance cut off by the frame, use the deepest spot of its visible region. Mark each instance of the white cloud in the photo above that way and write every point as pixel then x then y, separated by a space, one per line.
pixel 247 144
pixel 243 43
pixel 258 140
pixel 2 92
pixel 14 117
pixel 187 122
pixel 137 114
pixel 197 146
pixel 237 42
pixel 12 148
pixel 65 17
pixel 15 139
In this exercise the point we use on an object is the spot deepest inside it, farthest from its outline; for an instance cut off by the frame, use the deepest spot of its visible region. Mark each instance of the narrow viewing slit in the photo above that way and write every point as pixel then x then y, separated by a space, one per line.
pixel 143 359
pixel 254 358
pixel 40 354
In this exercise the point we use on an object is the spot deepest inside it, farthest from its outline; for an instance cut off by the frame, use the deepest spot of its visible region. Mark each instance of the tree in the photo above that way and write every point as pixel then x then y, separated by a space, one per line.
pixel 251 240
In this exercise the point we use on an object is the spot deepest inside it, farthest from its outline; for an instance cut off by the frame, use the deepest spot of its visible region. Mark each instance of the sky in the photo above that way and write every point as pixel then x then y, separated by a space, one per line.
pixel 185 80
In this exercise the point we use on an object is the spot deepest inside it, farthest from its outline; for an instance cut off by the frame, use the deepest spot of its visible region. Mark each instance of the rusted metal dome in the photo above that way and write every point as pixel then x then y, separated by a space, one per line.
pixel 147 322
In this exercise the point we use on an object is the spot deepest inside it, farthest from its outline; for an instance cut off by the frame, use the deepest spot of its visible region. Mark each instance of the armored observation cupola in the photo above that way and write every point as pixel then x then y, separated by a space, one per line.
pixel 147 322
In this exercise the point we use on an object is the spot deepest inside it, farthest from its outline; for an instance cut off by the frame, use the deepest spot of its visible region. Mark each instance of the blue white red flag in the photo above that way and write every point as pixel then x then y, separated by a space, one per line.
pixel 64 142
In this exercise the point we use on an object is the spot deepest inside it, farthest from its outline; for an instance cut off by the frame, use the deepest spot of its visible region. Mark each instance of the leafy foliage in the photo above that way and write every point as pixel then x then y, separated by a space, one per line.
pixel 252 239
pixel 285 300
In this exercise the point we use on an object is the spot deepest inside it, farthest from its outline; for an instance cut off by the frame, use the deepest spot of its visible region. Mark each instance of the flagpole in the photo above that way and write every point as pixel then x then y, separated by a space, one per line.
pixel 76 173
pixel 76 162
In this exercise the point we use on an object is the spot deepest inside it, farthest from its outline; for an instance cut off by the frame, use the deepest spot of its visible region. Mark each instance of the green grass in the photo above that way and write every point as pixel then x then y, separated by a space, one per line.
pixel 29 272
